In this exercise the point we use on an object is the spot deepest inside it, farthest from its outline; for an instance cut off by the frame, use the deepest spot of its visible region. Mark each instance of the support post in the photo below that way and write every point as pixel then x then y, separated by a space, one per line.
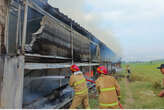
pixel 25 25
pixel 18 28
pixel 12 84
pixel 1 76
pixel 72 44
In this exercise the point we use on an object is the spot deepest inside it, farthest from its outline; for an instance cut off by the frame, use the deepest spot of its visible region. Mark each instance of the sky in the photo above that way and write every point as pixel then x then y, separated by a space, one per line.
pixel 132 28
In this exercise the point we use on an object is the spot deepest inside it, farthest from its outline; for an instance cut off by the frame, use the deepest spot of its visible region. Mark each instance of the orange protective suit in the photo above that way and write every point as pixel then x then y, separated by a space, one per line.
pixel 109 91
pixel 78 82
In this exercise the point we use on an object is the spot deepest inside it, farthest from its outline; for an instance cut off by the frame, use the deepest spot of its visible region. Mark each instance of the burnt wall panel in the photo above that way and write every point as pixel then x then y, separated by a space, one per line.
pixel 55 38
pixel 12 29
pixel 37 88
pixel 3 13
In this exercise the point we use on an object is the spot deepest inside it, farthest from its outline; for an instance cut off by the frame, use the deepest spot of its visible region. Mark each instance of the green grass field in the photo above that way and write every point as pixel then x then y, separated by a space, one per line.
pixel 144 87
pixel 141 92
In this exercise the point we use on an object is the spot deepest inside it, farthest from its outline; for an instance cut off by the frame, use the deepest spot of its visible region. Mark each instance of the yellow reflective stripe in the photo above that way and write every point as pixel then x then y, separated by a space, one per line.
pixel 79 82
pixel 109 105
pixel 81 92
pixel 107 89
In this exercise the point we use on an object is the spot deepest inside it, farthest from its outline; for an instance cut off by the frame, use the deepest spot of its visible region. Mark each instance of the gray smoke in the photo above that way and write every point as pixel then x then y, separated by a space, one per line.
pixel 75 9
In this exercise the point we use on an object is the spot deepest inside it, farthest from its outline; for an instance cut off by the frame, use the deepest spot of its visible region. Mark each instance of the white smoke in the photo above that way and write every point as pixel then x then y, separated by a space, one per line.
pixel 75 9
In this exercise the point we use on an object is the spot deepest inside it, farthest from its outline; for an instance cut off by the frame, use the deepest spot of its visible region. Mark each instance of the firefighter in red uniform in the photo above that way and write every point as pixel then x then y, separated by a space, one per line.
pixel 108 89
pixel 78 82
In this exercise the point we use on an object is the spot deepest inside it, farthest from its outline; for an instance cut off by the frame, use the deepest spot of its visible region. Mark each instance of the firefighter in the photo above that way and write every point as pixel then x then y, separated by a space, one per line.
pixel 108 90
pixel 161 94
pixel 78 82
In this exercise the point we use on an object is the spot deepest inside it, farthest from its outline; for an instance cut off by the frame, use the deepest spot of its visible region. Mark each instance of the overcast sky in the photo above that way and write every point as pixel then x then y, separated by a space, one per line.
pixel 135 27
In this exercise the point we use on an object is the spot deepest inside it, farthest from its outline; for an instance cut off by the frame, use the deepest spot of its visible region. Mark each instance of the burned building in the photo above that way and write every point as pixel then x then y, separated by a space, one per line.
pixel 41 44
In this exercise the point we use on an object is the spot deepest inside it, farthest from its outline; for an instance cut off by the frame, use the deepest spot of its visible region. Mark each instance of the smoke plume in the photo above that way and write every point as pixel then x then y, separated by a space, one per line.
pixel 76 9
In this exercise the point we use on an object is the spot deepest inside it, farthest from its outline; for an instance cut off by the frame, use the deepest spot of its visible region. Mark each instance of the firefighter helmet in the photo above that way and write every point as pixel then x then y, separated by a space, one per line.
pixel 102 70
pixel 74 68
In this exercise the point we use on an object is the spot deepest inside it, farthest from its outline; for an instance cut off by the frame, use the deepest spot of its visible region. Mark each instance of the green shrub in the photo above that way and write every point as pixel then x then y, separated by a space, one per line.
pixel 135 77
pixel 139 77
pixel 157 84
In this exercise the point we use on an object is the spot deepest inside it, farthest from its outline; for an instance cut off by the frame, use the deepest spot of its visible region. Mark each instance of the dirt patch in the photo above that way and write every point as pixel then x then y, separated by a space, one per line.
pixel 129 100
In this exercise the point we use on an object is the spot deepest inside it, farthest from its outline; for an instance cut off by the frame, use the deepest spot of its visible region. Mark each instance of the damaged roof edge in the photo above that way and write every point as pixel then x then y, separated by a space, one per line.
pixel 55 12
pixel 64 18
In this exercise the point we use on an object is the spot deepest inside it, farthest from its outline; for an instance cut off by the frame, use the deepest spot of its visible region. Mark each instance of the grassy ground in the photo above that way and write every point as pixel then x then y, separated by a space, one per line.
pixel 145 85
pixel 142 91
